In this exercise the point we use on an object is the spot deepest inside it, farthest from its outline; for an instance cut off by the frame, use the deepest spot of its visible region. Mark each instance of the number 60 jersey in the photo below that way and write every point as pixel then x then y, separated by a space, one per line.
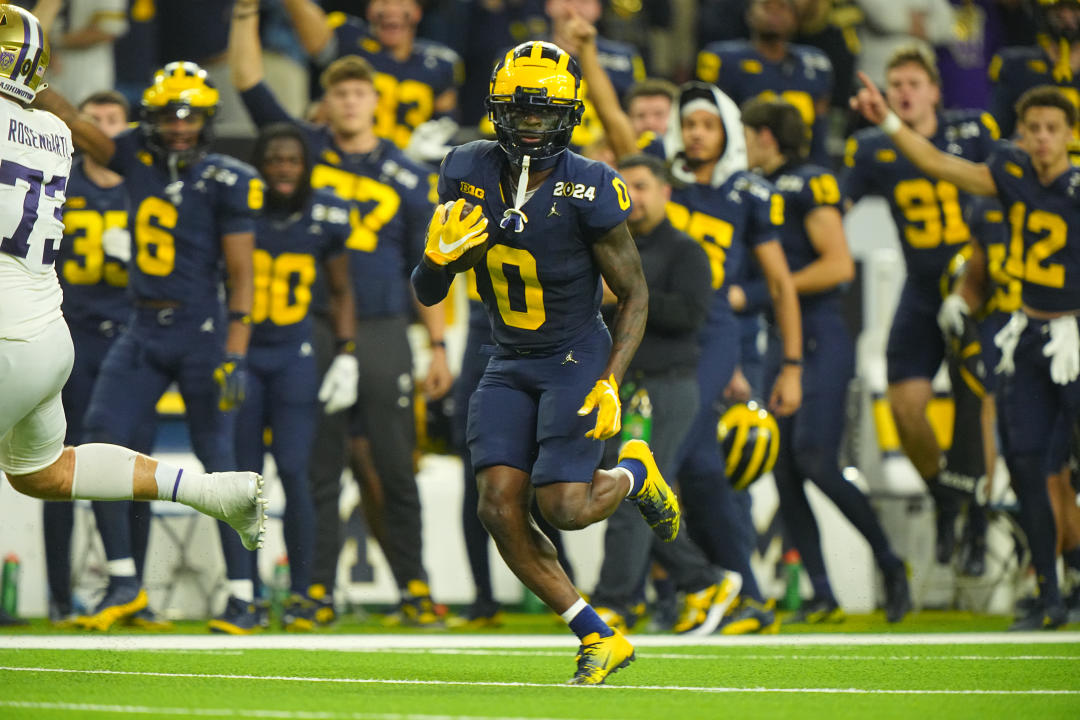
pixel 35 161
pixel 540 286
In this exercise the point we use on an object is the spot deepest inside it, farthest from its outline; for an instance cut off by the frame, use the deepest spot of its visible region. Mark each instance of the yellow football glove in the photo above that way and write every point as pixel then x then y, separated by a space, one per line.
pixel 449 235
pixel 605 398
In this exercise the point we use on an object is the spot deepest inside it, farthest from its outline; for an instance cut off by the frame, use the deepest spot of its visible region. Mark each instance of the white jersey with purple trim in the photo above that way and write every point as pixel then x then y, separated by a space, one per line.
pixel 35 161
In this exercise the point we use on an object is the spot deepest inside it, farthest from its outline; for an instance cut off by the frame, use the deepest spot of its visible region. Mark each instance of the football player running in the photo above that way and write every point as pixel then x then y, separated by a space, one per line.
pixel 36 353
pixel 554 223
pixel 1040 345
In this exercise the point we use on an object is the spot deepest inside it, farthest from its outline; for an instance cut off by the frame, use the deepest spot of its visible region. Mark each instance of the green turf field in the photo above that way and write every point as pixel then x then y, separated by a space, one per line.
pixel 444 676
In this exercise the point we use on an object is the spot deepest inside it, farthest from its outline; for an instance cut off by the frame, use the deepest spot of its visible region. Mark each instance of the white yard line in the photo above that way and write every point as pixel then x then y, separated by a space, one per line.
pixel 244 713
pixel 445 641
pixel 468 683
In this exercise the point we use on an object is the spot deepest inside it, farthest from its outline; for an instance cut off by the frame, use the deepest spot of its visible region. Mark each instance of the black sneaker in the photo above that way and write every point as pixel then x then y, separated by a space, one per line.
pixel 1072 604
pixel 897 593
pixel 240 618
pixel 1035 616
pixel 945 543
pixel 820 610
pixel 298 614
pixel 481 614
pixel 325 613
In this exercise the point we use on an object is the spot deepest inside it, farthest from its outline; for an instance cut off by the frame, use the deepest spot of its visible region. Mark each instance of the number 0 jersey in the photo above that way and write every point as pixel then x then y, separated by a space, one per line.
pixel 1044 227
pixel 289 252
pixel 929 214
pixel 36 160
pixel 541 287
pixel 179 219
pixel 95 285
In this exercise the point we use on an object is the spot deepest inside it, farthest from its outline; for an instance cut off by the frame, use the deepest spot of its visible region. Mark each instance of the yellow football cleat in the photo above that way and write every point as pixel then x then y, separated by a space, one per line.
pixel 702 611
pixel 118 604
pixel 599 657
pixel 750 616
pixel 656 501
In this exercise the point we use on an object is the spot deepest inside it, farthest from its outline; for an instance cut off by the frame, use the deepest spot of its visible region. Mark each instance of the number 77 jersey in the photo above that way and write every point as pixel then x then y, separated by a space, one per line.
pixel 35 162
pixel 541 286
pixel 929 214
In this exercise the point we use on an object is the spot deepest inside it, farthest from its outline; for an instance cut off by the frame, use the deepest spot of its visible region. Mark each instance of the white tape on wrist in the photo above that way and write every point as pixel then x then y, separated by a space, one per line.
pixel 891 124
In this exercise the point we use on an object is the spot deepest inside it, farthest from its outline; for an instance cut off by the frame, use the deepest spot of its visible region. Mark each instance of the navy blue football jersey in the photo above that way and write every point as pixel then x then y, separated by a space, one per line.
pixel 728 221
pixel 987 222
pixel 95 286
pixel 392 200
pixel 289 253
pixel 801 78
pixel 929 214
pixel 805 188
pixel 179 220
pixel 1015 70
pixel 1044 223
pixel 541 287
pixel 407 89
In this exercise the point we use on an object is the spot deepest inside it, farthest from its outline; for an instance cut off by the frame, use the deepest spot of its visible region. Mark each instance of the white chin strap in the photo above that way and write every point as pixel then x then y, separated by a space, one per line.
pixel 514 217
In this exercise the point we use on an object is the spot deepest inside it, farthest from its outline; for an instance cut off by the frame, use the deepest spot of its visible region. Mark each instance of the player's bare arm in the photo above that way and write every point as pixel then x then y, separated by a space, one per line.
pixel 620 266
pixel 616 123
pixel 974 178
pixel 85 134
pixel 787 391
pixel 309 21
pixel 438 380
pixel 245 50
pixel 833 266
pixel 239 249
pixel 342 305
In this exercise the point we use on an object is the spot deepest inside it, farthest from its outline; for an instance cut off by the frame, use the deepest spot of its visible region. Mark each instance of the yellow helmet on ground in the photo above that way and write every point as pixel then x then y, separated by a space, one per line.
pixel 750 440
pixel 180 90
pixel 534 100
pixel 24 54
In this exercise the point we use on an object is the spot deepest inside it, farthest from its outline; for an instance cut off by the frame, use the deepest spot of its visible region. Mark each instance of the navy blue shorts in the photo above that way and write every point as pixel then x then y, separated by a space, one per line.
pixel 1031 406
pixel 524 411
pixel 916 346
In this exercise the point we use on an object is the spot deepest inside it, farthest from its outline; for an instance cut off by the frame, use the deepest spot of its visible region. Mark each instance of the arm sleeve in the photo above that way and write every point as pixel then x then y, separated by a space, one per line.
pixel 263 107
pixel 681 305
pixel 431 284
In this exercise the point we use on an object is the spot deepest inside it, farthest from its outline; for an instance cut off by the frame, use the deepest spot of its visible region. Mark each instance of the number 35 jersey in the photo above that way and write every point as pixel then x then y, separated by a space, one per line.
pixel 929 214
pixel 35 147
pixel 541 287
pixel 178 220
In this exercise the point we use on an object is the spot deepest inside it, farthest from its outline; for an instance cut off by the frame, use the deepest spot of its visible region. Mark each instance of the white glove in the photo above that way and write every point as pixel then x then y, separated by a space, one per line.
pixel 1006 340
pixel 1063 349
pixel 338 389
pixel 950 318
pixel 430 140
pixel 116 242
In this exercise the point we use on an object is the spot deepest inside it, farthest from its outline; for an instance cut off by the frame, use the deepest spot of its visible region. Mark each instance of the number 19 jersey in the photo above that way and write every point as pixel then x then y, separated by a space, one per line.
pixel 35 161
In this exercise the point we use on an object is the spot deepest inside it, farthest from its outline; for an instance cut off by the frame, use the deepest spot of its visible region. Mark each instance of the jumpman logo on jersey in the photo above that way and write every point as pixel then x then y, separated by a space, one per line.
pixel 569 358
pixel 554 211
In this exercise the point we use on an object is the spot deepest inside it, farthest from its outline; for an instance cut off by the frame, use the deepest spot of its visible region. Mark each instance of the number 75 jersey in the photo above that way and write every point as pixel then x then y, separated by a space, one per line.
pixel 929 214
pixel 541 286
pixel 35 162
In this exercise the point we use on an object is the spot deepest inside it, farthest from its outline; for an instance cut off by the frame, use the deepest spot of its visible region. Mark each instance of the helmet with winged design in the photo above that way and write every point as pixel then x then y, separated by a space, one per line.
pixel 24 54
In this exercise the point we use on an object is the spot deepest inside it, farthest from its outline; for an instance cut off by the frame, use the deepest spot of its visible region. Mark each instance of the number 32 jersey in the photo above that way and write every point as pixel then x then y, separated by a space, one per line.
pixel 35 162
pixel 929 214
pixel 541 286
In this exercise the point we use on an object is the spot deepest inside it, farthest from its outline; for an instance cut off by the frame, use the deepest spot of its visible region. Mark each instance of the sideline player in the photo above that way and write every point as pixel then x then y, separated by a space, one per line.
pixel 36 353
pixel 1040 346
pixel 561 225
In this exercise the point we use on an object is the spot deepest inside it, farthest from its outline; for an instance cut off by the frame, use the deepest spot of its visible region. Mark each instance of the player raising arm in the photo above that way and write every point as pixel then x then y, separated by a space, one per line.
pixel 1040 345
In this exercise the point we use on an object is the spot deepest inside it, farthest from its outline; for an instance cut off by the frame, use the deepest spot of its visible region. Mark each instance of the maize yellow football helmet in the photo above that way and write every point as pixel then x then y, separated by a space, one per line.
pixel 534 100
pixel 180 90
pixel 24 54
pixel 750 439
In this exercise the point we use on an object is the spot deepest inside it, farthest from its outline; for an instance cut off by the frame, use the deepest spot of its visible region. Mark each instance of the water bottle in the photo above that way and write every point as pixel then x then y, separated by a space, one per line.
pixel 637 419
pixel 280 589
pixel 9 593
pixel 793 573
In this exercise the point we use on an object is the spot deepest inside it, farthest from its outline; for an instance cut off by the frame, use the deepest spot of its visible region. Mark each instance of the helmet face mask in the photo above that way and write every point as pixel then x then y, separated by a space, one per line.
pixel 534 101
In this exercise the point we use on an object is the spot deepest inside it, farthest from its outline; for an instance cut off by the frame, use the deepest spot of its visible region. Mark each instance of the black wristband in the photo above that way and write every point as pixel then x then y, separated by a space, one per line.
pixel 345 345
pixel 438 343
pixel 239 316
pixel 797 362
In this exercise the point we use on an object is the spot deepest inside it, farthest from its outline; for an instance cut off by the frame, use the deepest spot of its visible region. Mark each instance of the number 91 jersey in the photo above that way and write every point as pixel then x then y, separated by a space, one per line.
pixel 178 220
pixel 35 165
pixel 541 286
pixel 929 214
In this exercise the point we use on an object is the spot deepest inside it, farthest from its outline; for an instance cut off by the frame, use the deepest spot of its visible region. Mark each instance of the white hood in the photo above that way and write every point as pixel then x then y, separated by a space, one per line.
pixel 734 157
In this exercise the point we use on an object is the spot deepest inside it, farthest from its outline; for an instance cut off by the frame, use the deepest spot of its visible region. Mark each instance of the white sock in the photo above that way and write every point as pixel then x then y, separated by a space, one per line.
pixel 180 485
pixel 103 472
pixel 574 609
pixel 242 589
pixel 124 567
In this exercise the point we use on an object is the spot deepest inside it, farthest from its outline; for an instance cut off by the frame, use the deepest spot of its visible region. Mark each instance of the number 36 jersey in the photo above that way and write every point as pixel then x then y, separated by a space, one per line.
pixel 929 214
pixel 35 162
pixel 541 287
pixel 178 220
